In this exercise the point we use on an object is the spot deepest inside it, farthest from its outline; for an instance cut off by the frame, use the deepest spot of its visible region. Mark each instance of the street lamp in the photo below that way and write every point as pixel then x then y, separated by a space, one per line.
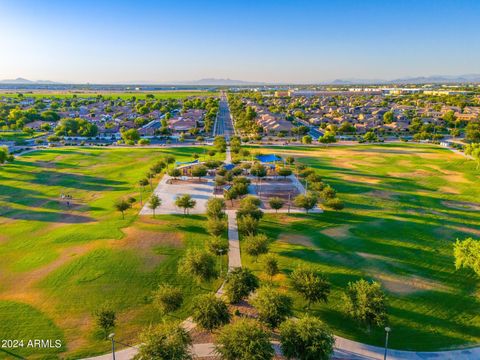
pixel 387 331
pixel 111 337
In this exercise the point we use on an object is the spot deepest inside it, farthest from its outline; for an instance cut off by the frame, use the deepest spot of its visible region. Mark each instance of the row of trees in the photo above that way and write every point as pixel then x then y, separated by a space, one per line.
pixel 5 155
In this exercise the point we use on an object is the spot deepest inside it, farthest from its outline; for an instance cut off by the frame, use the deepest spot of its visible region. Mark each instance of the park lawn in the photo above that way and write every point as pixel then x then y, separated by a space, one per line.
pixel 405 204
pixel 18 136
pixel 60 264
pixel 160 95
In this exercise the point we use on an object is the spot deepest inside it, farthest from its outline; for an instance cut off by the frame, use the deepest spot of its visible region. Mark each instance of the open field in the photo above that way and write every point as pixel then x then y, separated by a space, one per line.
pixel 160 95
pixel 405 204
pixel 59 264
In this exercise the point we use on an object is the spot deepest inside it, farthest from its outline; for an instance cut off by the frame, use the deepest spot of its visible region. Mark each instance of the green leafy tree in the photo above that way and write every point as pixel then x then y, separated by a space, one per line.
pixel 167 298
pixel 240 282
pixel 216 226
pixel 474 151
pixel 307 338
pixel 284 172
pixel 130 135
pixel 244 340
pixel 273 306
pixel 256 245
pixel 210 312
pixel 174 172
pixel 154 203
pixel 313 286
pixel 388 117
pixel 472 131
pixel 307 139
pixel 106 319
pixel 165 342
pixel 199 171
pixel 216 208
pixel 198 263
pixel 122 206
pixel 366 302
pixel 307 202
pixel 467 254
pixel 276 203
pixel 217 246
pixel 247 225
pixel 258 170
pixel 270 265
pixel 185 202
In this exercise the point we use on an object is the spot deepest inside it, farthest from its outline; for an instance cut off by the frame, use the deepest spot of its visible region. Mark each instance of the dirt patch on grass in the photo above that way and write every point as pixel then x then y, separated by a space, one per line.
pixel 296 239
pixel 420 173
pixel 470 230
pixel 144 243
pixel 449 190
pixel 360 179
pixel 46 164
pixel 461 205
pixel 403 285
pixel 456 178
pixel 338 232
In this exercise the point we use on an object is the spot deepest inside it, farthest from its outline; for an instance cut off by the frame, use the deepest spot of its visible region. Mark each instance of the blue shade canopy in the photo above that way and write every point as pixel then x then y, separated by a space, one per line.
pixel 187 162
pixel 268 158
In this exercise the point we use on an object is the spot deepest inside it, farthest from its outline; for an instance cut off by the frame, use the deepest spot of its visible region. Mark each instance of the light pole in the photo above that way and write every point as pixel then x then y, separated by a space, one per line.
pixel 387 331
pixel 111 337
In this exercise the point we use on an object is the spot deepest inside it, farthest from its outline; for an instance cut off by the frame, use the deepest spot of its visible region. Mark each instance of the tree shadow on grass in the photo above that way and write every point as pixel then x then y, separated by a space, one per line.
pixel 46 216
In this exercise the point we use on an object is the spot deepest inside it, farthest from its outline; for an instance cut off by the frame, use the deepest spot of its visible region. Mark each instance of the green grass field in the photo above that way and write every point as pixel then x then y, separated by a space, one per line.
pixel 60 264
pixel 405 206
pixel 18 136
pixel 160 95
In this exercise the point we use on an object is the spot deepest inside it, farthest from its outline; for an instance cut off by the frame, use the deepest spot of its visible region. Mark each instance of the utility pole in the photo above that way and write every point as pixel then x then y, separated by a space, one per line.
pixel 387 331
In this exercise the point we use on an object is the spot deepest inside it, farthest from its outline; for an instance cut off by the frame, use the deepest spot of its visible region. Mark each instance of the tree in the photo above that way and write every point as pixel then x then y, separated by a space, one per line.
pixel 220 144
pixel 216 226
pixel 467 254
pixel 328 138
pixel 199 171
pixel 185 202
pixel 250 206
pixel 313 287
pixel 388 117
pixel 130 135
pixel 472 131
pixel 240 282
pixel 307 338
pixel 284 172
pixel 106 319
pixel 244 340
pixel 258 170
pixel 370 136
pixel 270 265
pixel 276 203
pixel 217 246
pixel 122 206
pixel 167 298
pixel 247 225
pixel 306 202
pixel 165 342
pixel 335 204
pixel 231 195
pixel 4 155
pixel 307 139
pixel 366 302
pixel 210 312
pixel 155 202
pixel 273 307
pixel 215 208
pixel 174 172
pixel 76 127
pixel 473 150
pixel 199 264
pixel 256 245
pixel 290 160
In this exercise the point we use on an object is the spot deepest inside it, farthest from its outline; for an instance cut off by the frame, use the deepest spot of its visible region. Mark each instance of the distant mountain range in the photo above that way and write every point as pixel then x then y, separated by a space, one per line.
pixel 434 79
pixel 22 81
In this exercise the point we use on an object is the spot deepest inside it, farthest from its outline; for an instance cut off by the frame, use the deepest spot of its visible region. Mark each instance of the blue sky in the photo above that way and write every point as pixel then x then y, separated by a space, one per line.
pixel 272 41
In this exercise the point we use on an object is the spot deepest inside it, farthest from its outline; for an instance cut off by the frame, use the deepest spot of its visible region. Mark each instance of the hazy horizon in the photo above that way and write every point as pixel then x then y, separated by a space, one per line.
pixel 270 42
